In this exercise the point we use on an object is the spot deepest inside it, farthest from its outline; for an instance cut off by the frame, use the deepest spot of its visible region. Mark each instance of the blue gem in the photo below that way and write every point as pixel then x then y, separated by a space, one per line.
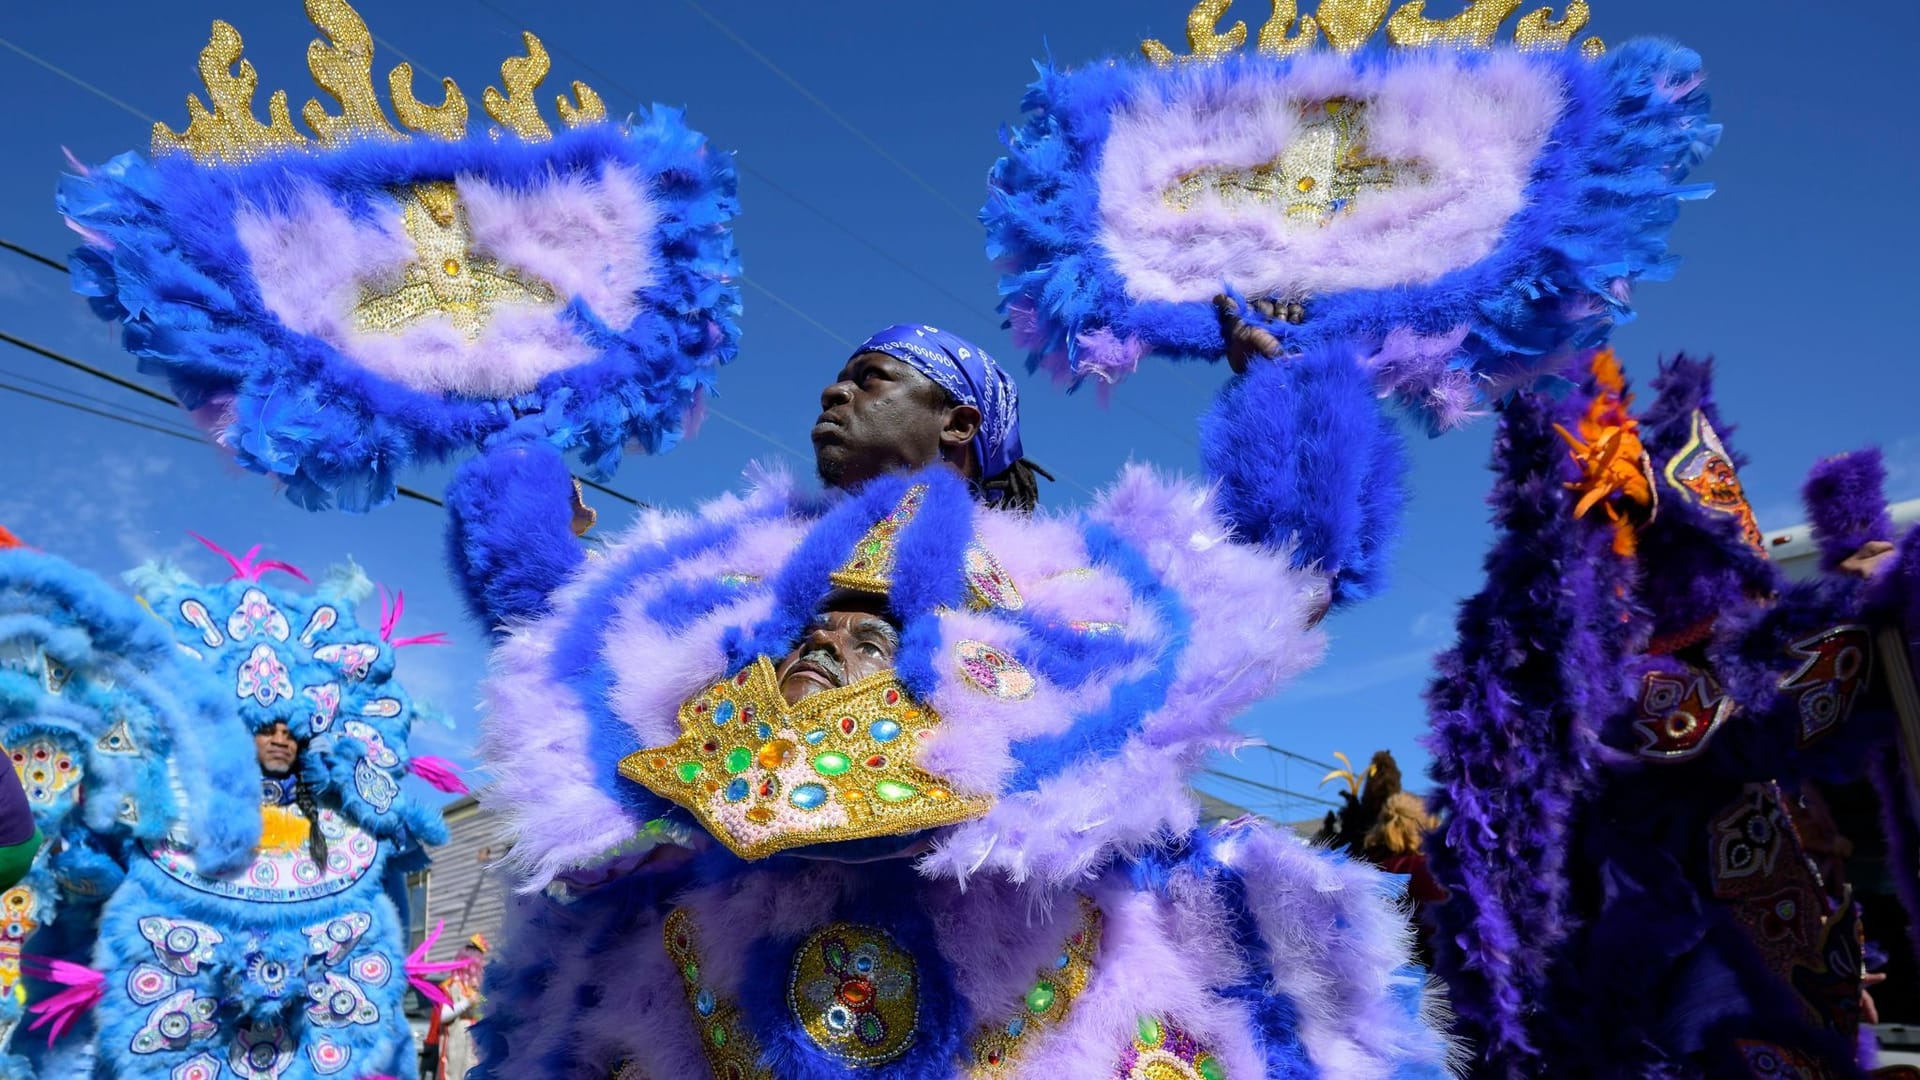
pixel 765 730
pixel 884 731
pixel 737 790
pixel 808 796
pixel 1061 962
pixel 816 736
pixel 704 1002
pixel 723 712
pixel 1015 1026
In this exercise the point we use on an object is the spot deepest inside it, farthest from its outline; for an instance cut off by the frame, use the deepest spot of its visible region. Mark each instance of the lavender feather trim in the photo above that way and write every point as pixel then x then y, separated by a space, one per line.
pixel 1600 198
pixel 1848 498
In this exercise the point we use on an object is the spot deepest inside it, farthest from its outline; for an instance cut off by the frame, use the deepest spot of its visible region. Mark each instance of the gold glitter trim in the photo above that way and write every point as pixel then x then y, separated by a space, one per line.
pixel 1320 174
pixel 856 993
pixel 341 63
pixel 445 277
pixel 870 568
pixel 729 1046
pixel 1349 24
pixel 999 1046
pixel 763 776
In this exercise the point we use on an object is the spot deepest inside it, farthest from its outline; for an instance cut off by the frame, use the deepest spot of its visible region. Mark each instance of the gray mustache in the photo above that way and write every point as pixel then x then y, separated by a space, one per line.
pixel 827 662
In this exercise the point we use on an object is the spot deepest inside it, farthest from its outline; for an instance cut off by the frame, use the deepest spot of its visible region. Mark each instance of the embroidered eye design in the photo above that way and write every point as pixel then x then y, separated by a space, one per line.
pixel 339 1002
pixel 261 1053
pixel 353 660
pixel 255 614
pixel 334 939
pixel 181 945
pixel 177 1022
pixel 378 751
pixel 269 974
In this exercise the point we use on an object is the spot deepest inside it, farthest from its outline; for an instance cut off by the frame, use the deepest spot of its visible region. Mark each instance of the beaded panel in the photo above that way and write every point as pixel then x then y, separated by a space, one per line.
pixel 729 1047
pixel 998 1046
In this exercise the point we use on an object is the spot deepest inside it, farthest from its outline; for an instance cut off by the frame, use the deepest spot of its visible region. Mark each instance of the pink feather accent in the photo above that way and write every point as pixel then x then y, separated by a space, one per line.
pixel 84 989
pixel 419 967
pixel 444 775
pixel 390 621
pixel 244 566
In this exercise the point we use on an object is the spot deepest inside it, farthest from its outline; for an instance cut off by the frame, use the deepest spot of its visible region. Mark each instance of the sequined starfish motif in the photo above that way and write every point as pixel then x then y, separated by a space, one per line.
pixel 1323 169
pixel 446 276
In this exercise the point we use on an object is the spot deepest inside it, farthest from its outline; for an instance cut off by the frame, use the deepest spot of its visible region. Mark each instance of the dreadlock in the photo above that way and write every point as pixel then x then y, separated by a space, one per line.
pixel 310 809
pixel 1018 487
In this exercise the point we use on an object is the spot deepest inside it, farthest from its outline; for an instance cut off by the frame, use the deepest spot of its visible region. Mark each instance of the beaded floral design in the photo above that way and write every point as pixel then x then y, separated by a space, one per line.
pixel 856 993
pixel 994 671
pixel 763 776
pixel 1703 473
pixel 998 1046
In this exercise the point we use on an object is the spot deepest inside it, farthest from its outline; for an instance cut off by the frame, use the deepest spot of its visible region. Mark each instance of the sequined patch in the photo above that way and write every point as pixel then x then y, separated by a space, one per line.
pixel 870 569
pixel 998 1046
pixel 1834 666
pixel 1703 473
pixel 1323 171
pixel 856 993
pixel 993 671
pixel 16 925
pixel 46 770
pixel 283 875
pixel 764 776
pixel 729 1047
pixel 260 1053
pixel 446 277
pixel 1161 1051
pixel 988 583
pixel 1679 712
pixel 1772 1061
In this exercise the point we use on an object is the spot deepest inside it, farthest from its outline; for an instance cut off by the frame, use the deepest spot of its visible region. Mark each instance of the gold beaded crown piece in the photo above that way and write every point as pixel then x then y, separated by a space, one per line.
pixel 1350 24
pixel 342 65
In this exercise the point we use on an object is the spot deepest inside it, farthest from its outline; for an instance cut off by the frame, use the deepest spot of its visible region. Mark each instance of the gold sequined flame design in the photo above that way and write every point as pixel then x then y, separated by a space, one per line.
pixel 1320 174
pixel 341 63
pixel 1349 24
pixel 446 277
pixel 763 777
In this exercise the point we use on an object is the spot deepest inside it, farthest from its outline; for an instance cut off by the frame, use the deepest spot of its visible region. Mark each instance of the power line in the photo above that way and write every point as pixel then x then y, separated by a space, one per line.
pixel 79 82
pixel 1302 796
pixel 102 413
pixel 68 391
pixel 872 144
pixel 1304 759
pixel 147 391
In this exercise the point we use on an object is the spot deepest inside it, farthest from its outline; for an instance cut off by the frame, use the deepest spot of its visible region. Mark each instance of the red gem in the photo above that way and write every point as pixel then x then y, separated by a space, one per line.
pixel 877 761
pixel 893 697
pixel 699 706
pixel 740 679
pixel 856 992
pixel 710 746
pixel 846 725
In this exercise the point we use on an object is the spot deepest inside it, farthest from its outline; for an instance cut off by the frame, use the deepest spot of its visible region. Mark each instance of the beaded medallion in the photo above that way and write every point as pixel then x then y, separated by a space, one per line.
pixel 856 993
pixel 1161 1051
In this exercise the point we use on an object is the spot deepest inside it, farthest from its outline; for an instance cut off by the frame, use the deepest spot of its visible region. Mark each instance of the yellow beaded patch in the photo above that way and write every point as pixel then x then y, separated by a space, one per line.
pixel 1350 24
pixel 446 276
pixel 763 776
pixel 856 993
pixel 870 569
pixel 1324 169
pixel 729 1047
pixel 997 1047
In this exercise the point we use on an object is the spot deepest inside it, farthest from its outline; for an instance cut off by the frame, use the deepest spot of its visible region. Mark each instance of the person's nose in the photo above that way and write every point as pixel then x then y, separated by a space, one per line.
pixel 836 394
pixel 830 640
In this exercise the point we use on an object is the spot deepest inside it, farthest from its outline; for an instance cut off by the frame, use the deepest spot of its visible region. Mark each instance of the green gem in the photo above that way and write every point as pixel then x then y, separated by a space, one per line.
pixel 718 1034
pixel 688 770
pixel 691 971
pixel 894 791
pixel 1150 1032
pixel 738 759
pixel 1209 1068
pixel 1040 998
pixel 832 763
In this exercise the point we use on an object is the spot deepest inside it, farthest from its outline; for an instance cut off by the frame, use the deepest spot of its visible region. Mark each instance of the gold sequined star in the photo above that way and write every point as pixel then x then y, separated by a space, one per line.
pixel 1323 169
pixel 446 277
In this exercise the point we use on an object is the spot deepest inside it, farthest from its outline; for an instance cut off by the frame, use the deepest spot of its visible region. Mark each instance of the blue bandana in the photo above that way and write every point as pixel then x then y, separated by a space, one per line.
pixel 964 370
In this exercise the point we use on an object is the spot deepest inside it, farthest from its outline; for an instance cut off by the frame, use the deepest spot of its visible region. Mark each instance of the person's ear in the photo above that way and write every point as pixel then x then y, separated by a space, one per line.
pixel 963 423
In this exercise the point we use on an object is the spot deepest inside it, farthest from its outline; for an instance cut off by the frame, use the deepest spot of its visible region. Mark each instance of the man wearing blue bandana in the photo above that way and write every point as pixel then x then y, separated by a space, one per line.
pixel 914 394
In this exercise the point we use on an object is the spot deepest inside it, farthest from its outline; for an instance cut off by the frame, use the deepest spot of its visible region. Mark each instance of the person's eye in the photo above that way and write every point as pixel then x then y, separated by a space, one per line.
pixel 871 649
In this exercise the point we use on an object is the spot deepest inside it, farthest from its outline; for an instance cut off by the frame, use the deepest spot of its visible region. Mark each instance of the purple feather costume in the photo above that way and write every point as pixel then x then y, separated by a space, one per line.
pixel 1632 817
pixel 992 868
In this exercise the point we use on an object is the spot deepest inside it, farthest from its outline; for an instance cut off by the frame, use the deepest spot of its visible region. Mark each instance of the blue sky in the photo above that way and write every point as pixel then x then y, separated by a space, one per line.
pixel 864 130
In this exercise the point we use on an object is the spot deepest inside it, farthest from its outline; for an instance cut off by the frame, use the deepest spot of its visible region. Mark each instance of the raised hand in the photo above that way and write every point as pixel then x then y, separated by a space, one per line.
pixel 1246 340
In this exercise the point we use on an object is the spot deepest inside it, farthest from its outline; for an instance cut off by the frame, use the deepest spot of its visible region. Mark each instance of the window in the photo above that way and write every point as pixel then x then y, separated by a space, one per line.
pixel 417 908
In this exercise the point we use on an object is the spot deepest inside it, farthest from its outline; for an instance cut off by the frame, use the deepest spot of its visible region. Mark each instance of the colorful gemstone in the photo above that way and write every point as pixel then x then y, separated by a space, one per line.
pixel 723 712
pixel 894 791
pixel 718 1033
pixel 703 1001
pixel 816 736
pixel 769 787
pixel 765 731
pixel 1209 1068
pixel 877 761
pixel 759 815
pixel 687 770
pixel 1150 1033
pixel 893 697
pixel 1040 998
pixel 808 796
pixel 1016 1026
pixel 847 725
pixel 831 763
pixel 737 790
pixel 884 730
pixel 776 753
pixel 738 759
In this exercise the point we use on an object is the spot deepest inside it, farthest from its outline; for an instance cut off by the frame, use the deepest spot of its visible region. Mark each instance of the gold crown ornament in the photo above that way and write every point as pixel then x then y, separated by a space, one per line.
pixel 342 65
pixel 1347 25
pixel 764 776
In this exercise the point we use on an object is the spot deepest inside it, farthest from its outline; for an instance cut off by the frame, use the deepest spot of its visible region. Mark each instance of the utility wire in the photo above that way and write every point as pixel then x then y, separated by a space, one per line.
pixel 1315 762
pixel 1302 796
pixel 81 395
pixel 102 413
pixel 147 391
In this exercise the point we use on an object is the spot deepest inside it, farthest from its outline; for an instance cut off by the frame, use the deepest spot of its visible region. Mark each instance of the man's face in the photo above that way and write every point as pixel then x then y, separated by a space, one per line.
pixel 842 646
pixel 879 416
pixel 276 749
